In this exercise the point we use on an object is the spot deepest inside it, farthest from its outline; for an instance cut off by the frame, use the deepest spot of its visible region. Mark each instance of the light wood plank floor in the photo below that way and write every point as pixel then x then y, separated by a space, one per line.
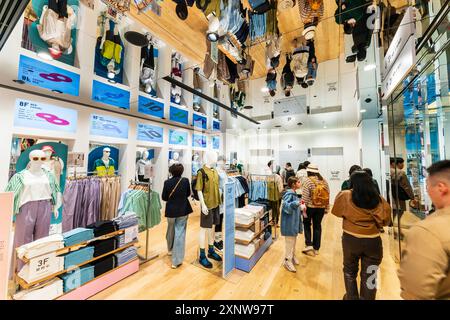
pixel 317 277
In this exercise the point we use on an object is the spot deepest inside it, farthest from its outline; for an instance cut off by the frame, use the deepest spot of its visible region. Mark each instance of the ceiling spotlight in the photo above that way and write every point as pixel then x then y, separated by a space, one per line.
pixel 370 67
pixel 362 110
pixel 278 126
pixel 299 124
pixel 264 89
pixel 44 55
pixel 368 100
pixel 248 107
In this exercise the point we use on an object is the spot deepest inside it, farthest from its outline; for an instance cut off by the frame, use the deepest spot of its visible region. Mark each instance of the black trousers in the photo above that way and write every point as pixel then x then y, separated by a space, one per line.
pixel 315 216
pixel 60 7
pixel 218 227
pixel 370 252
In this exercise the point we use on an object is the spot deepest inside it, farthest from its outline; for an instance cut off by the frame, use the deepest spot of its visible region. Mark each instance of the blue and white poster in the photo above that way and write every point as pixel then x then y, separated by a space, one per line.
pixel 216 143
pixel 44 75
pixel 109 126
pixel 110 95
pixel 146 132
pixel 216 125
pixel 38 115
pixel 151 107
pixel 179 115
pixel 178 137
pixel 229 259
pixel 199 140
pixel 199 121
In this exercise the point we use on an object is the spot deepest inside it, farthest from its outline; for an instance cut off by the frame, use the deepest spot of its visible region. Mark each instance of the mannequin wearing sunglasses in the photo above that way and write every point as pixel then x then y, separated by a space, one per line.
pixel 36 196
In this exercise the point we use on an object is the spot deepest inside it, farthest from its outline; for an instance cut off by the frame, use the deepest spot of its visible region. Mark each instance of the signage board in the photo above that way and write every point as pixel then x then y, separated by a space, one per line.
pixel 151 107
pixel 110 95
pixel 229 259
pixel 146 132
pixel 199 140
pixel 179 115
pixel 109 126
pixel 178 137
pixel 199 121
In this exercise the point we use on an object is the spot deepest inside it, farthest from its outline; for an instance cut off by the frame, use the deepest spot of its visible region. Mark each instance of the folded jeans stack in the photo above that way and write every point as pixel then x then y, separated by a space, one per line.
pixel 77 257
pixel 126 255
pixel 77 236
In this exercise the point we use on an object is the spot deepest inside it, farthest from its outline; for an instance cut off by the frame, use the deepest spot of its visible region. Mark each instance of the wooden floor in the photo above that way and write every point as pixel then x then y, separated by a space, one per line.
pixel 317 277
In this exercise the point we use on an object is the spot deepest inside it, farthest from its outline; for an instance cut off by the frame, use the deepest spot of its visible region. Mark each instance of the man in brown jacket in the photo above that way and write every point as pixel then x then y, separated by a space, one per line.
pixel 425 266
pixel 398 176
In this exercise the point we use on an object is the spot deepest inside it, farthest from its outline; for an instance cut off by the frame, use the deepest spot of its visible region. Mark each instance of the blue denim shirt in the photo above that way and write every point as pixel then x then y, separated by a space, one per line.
pixel 291 218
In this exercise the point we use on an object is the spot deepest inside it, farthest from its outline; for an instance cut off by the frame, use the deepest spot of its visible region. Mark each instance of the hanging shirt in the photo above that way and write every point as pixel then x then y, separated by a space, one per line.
pixel 103 170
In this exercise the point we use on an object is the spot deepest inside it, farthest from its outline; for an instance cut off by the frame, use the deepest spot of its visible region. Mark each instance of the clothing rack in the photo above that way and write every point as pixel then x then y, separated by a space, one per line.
pixel 88 174
pixel 146 258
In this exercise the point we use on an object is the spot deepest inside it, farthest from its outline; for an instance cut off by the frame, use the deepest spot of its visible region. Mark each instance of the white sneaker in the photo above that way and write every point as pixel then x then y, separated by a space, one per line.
pixel 295 260
pixel 289 266
pixel 316 252
pixel 307 249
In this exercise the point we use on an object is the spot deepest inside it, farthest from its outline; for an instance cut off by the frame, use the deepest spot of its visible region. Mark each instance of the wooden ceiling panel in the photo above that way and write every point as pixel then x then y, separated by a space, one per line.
pixel 188 36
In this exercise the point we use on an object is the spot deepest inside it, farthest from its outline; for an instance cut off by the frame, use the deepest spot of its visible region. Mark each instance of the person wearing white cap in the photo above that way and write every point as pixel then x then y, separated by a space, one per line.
pixel 316 194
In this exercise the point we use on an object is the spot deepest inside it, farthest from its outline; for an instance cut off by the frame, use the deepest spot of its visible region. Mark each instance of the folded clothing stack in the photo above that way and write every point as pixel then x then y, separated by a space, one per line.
pixel 243 216
pixel 78 257
pixel 101 247
pixel 128 219
pixel 104 265
pixel 41 246
pixel 263 203
pixel 77 236
pixel 101 228
pixel 78 277
pixel 126 255
pixel 30 275
pixel 257 209
pixel 51 290
pixel 245 250
pixel 246 235
pixel 120 241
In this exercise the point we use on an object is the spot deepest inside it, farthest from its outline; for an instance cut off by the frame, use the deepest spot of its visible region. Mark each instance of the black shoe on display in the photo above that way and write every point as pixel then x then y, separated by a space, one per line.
pixel 213 255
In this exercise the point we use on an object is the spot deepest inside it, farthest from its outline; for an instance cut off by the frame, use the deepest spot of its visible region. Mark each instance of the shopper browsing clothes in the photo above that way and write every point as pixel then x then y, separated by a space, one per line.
pixel 291 222
pixel 425 266
pixel 176 192
pixel 364 212
pixel 316 194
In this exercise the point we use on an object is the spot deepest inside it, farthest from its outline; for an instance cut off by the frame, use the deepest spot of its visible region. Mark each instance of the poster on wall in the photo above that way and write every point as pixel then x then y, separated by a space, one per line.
pixel 178 137
pixel 109 126
pixel 149 71
pixel 151 107
pixel 199 121
pixel 110 95
pixel 216 143
pixel 146 132
pixel 109 50
pixel 50 29
pixel 199 140
pixel 44 75
pixel 30 114
pixel 216 125
pixel 179 115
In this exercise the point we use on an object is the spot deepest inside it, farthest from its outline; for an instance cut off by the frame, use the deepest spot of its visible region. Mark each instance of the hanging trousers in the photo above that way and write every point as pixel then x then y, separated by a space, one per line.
pixel 32 223
pixel 315 216
pixel 290 247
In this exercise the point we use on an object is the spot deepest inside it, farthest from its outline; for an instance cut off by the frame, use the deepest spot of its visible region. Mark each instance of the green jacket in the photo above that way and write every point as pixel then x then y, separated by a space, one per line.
pixel 16 185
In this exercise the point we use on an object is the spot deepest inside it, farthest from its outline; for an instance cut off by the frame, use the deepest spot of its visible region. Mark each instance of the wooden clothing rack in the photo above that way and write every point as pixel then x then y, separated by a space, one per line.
pixel 146 257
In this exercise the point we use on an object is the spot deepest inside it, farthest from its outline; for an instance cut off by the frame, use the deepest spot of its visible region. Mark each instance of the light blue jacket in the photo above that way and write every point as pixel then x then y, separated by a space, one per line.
pixel 291 219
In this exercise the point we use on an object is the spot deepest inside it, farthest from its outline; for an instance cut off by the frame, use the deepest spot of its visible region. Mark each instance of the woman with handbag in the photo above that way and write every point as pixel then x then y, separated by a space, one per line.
pixel 363 212
pixel 176 192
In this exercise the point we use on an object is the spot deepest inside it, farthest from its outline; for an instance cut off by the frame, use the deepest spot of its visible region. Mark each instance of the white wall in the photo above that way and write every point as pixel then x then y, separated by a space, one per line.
pixel 371 148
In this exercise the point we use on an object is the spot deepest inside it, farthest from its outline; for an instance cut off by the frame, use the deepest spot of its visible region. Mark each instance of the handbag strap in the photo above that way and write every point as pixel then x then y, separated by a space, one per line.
pixel 173 190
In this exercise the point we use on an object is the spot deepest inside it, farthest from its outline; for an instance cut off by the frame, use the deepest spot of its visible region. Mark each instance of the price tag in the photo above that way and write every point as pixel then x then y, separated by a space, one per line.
pixel 131 234
pixel 43 266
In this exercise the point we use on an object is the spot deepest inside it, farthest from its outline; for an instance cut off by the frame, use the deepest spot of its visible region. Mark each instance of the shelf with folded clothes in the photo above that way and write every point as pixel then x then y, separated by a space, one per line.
pixel 98 277
pixel 246 226
pixel 78 246
pixel 25 285
pixel 247 242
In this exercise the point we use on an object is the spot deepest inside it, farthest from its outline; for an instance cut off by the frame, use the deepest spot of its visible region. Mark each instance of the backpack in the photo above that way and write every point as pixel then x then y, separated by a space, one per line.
pixel 320 197
pixel 194 183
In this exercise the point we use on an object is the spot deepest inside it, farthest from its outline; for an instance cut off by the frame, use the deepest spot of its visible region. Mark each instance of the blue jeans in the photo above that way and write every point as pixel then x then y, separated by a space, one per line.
pixel 176 238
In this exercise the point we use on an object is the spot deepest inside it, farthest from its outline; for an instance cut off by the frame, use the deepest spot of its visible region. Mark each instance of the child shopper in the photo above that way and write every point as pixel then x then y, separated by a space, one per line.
pixel 291 222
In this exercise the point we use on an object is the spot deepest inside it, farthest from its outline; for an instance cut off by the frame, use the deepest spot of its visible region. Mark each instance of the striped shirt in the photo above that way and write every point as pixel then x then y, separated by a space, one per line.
pixel 307 14
pixel 308 188
pixel 16 185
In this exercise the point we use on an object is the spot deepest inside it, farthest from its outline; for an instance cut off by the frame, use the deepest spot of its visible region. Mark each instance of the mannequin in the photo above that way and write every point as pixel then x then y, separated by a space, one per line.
pixel 148 73
pixel 140 167
pixel 36 196
pixel 223 178
pixel 209 196
pixel 196 165
pixel 53 163
pixel 105 166
pixel 175 158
